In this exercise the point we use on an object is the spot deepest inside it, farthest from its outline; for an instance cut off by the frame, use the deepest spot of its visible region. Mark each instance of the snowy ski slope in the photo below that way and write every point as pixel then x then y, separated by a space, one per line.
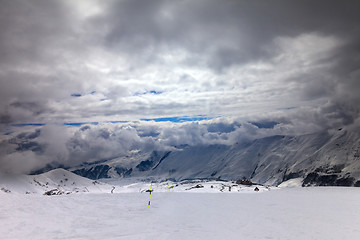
pixel 179 210
pixel 290 213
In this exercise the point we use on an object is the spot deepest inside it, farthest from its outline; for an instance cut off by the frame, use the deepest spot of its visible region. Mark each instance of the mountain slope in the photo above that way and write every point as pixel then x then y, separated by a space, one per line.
pixel 59 181
pixel 325 158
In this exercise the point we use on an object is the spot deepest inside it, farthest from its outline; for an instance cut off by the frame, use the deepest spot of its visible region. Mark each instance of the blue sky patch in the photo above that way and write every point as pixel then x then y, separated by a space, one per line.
pixel 117 121
pixel 80 123
pixel 153 92
pixel 76 95
pixel 177 119
pixel 165 119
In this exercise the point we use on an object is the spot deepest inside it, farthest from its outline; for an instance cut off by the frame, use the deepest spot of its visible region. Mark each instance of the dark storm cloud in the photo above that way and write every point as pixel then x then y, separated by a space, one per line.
pixel 5 118
pixel 53 49
pixel 33 34
pixel 32 30
pixel 221 34
pixel 226 32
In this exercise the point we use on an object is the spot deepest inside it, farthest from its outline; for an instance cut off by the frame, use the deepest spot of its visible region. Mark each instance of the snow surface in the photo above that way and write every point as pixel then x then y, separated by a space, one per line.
pixel 290 213
pixel 88 210
pixel 295 182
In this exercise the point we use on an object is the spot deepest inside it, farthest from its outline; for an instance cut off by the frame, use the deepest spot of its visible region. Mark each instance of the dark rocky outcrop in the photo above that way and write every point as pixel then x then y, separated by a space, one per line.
pixel 145 165
pixel 321 179
pixel 97 172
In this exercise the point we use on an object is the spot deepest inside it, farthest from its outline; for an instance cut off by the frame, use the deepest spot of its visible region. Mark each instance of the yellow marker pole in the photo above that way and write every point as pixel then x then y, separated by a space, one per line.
pixel 150 195
pixel 168 186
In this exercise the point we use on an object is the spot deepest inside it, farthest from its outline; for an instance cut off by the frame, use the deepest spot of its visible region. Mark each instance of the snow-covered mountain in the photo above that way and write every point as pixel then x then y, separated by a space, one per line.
pixel 54 182
pixel 325 158
pixel 63 182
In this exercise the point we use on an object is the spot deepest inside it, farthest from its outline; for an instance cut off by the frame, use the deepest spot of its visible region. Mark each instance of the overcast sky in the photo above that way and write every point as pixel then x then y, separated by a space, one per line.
pixel 81 61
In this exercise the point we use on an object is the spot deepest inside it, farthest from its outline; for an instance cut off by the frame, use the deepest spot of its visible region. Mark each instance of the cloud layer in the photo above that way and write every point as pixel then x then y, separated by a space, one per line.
pixel 89 60
pixel 29 150
pixel 32 148
pixel 292 62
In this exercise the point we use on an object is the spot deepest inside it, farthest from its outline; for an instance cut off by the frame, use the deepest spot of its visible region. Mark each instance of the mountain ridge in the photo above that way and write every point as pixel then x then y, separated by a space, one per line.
pixel 327 158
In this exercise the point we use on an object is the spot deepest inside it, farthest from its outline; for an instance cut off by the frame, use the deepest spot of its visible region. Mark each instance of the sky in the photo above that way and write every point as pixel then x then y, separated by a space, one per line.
pixel 116 65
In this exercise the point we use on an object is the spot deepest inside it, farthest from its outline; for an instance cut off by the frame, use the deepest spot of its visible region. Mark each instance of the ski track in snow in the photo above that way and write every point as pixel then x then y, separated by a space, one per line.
pixel 289 213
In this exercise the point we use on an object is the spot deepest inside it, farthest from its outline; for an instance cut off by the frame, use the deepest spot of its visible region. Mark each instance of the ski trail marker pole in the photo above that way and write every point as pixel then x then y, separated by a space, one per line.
pixel 168 186
pixel 150 195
